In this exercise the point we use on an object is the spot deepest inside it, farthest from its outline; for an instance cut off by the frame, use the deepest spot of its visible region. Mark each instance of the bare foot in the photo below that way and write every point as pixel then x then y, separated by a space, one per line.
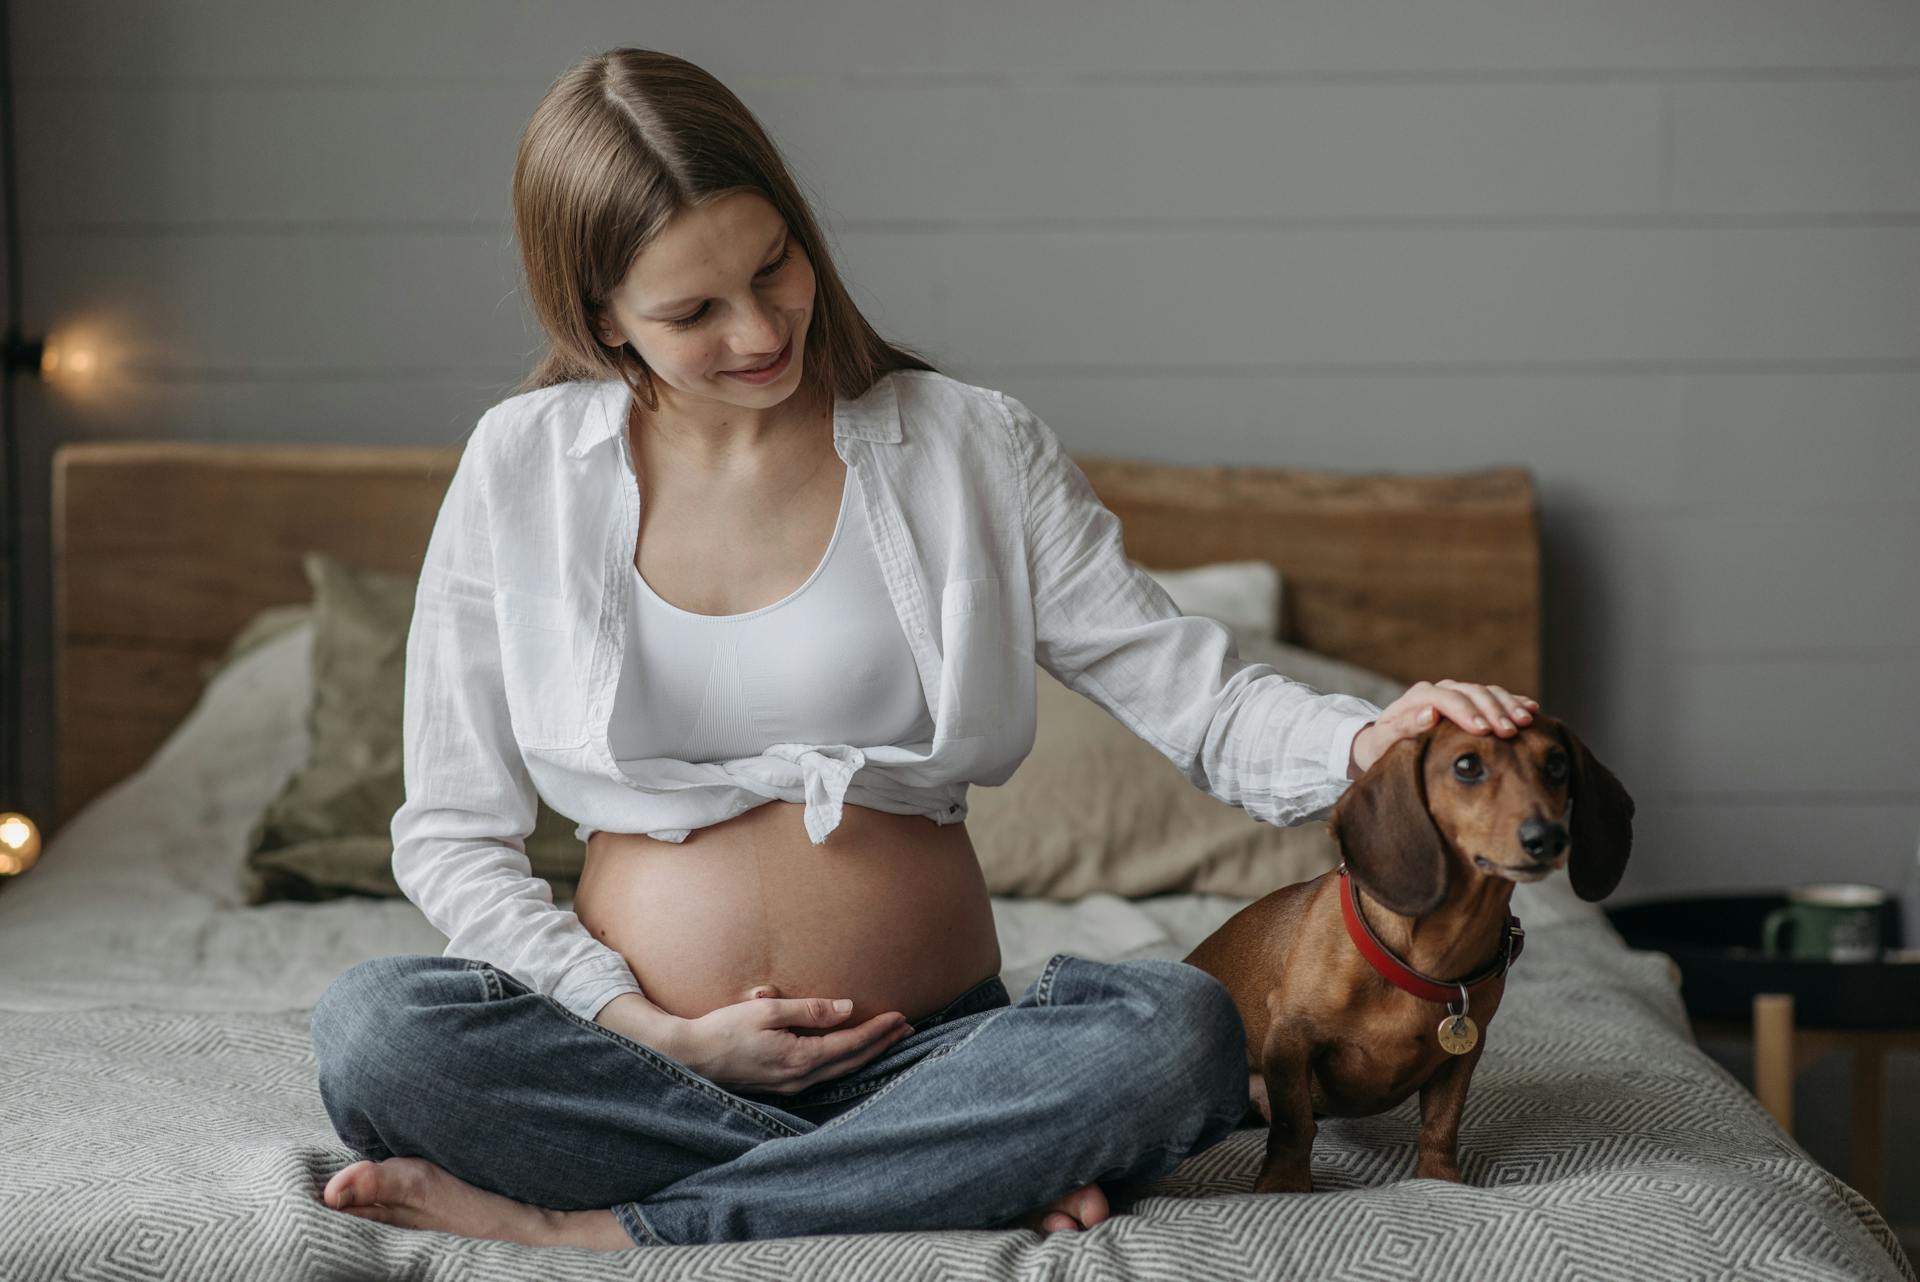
pixel 1083 1208
pixel 413 1193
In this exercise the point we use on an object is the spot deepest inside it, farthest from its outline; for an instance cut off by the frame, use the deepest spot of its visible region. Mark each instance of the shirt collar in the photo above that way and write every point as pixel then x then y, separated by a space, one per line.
pixel 874 416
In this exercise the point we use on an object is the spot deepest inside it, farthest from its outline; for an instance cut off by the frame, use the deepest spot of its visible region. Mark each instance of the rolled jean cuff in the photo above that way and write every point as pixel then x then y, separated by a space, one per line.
pixel 628 1213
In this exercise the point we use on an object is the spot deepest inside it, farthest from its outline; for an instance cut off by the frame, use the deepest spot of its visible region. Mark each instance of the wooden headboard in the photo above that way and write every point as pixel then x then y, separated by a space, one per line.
pixel 163 550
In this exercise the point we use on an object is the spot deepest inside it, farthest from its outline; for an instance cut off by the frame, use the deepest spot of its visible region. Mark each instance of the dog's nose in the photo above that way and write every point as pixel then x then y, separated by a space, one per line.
pixel 1542 838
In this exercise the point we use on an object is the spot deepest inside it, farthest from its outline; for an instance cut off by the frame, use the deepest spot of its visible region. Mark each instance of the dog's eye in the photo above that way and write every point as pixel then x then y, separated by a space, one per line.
pixel 1556 767
pixel 1467 765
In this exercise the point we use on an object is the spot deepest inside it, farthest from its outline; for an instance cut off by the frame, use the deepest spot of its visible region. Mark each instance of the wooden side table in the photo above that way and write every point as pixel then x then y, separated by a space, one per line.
pixel 1781 1051
pixel 1731 987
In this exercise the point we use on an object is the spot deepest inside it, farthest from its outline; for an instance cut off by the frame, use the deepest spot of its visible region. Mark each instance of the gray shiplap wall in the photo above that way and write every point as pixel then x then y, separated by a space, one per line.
pixel 1667 256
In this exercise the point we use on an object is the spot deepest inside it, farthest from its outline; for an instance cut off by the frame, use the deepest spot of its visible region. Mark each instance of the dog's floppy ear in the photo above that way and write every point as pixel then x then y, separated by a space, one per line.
pixel 1385 834
pixel 1601 821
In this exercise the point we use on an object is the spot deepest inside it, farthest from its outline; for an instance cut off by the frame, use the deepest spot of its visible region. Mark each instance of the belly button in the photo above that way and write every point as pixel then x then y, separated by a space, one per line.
pixel 762 990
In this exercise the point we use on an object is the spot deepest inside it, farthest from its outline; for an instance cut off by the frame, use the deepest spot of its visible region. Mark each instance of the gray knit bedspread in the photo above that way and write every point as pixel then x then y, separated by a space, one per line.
pixel 1598 1142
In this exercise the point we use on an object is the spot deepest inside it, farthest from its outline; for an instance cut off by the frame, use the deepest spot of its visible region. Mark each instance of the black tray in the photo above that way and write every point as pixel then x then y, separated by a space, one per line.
pixel 1715 940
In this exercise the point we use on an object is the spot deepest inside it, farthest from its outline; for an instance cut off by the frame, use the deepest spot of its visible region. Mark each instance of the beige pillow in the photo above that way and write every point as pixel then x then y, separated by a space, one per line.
pixel 328 832
pixel 1244 595
pixel 1096 808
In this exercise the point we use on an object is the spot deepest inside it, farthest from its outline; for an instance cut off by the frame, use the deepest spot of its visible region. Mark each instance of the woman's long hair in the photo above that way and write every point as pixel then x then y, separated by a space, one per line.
pixel 621 143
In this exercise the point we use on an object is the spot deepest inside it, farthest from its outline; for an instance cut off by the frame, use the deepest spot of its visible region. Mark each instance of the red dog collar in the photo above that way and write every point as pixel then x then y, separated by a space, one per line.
pixel 1397 972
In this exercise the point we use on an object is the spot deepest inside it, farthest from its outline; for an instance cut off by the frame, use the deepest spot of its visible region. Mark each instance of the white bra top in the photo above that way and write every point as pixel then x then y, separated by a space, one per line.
pixel 827 663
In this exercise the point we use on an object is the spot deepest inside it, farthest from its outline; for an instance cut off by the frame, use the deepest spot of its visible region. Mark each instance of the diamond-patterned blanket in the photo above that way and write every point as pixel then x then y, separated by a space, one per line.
pixel 1598 1142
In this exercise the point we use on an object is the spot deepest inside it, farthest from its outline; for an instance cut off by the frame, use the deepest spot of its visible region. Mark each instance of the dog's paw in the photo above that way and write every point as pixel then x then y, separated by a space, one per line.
pixel 1438 1169
pixel 1283 1179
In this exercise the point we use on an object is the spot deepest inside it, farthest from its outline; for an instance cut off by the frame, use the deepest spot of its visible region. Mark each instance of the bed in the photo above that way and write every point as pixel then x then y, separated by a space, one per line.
pixel 159 1104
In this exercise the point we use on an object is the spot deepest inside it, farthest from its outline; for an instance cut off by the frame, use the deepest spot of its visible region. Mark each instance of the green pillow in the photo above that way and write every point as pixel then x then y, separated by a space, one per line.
pixel 328 832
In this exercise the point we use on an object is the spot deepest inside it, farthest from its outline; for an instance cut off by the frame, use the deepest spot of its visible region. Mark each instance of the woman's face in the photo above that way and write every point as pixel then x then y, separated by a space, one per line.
pixel 724 287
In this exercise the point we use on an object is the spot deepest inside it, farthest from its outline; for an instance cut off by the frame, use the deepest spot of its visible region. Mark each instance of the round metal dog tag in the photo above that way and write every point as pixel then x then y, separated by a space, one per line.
pixel 1458 1033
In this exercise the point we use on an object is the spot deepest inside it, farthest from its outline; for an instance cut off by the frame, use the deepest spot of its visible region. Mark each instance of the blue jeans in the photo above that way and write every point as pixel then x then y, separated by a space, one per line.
pixel 988 1110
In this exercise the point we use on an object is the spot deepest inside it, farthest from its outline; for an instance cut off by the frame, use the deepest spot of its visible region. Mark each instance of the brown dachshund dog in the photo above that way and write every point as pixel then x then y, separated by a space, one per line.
pixel 1434 836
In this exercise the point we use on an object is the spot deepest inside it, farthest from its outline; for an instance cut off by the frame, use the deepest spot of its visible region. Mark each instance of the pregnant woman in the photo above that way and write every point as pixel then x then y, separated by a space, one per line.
pixel 754 596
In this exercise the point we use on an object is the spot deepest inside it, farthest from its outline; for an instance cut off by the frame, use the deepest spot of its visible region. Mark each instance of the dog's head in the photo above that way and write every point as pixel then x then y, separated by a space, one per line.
pixel 1517 807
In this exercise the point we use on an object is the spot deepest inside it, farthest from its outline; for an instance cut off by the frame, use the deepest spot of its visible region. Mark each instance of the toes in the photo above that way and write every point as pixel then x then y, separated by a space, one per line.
pixel 395 1181
pixel 1082 1208
pixel 1087 1205
pixel 365 1183
pixel 343 1189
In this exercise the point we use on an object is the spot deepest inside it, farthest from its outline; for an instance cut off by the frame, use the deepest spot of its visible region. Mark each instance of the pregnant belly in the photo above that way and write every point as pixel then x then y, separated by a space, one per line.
pixel 891 911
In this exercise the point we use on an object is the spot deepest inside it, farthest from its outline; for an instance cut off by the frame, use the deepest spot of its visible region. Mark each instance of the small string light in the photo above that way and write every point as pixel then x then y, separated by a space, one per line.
pixel 19 844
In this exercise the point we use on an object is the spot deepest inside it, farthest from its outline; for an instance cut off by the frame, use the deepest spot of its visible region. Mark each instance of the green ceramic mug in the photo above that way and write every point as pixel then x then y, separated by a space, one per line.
pixel 1827 921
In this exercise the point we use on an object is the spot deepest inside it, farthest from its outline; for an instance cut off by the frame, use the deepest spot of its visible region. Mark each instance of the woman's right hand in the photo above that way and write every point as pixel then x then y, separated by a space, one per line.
pixel 750 1044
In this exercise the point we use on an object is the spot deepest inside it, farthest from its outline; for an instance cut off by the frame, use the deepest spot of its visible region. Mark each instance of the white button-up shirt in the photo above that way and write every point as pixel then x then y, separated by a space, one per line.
pixel 997 555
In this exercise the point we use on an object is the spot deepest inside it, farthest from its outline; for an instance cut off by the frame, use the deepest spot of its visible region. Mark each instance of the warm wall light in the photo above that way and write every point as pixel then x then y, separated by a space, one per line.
pixel 19 844
pixel 67 360
pixel 53 358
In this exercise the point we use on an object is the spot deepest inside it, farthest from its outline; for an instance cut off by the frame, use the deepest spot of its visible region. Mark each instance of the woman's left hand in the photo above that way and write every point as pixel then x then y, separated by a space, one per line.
pixel 1480 708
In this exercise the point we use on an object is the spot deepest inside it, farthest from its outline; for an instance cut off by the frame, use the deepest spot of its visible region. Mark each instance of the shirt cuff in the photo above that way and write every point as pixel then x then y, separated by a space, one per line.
pixel 1340 752
pixel 593 983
